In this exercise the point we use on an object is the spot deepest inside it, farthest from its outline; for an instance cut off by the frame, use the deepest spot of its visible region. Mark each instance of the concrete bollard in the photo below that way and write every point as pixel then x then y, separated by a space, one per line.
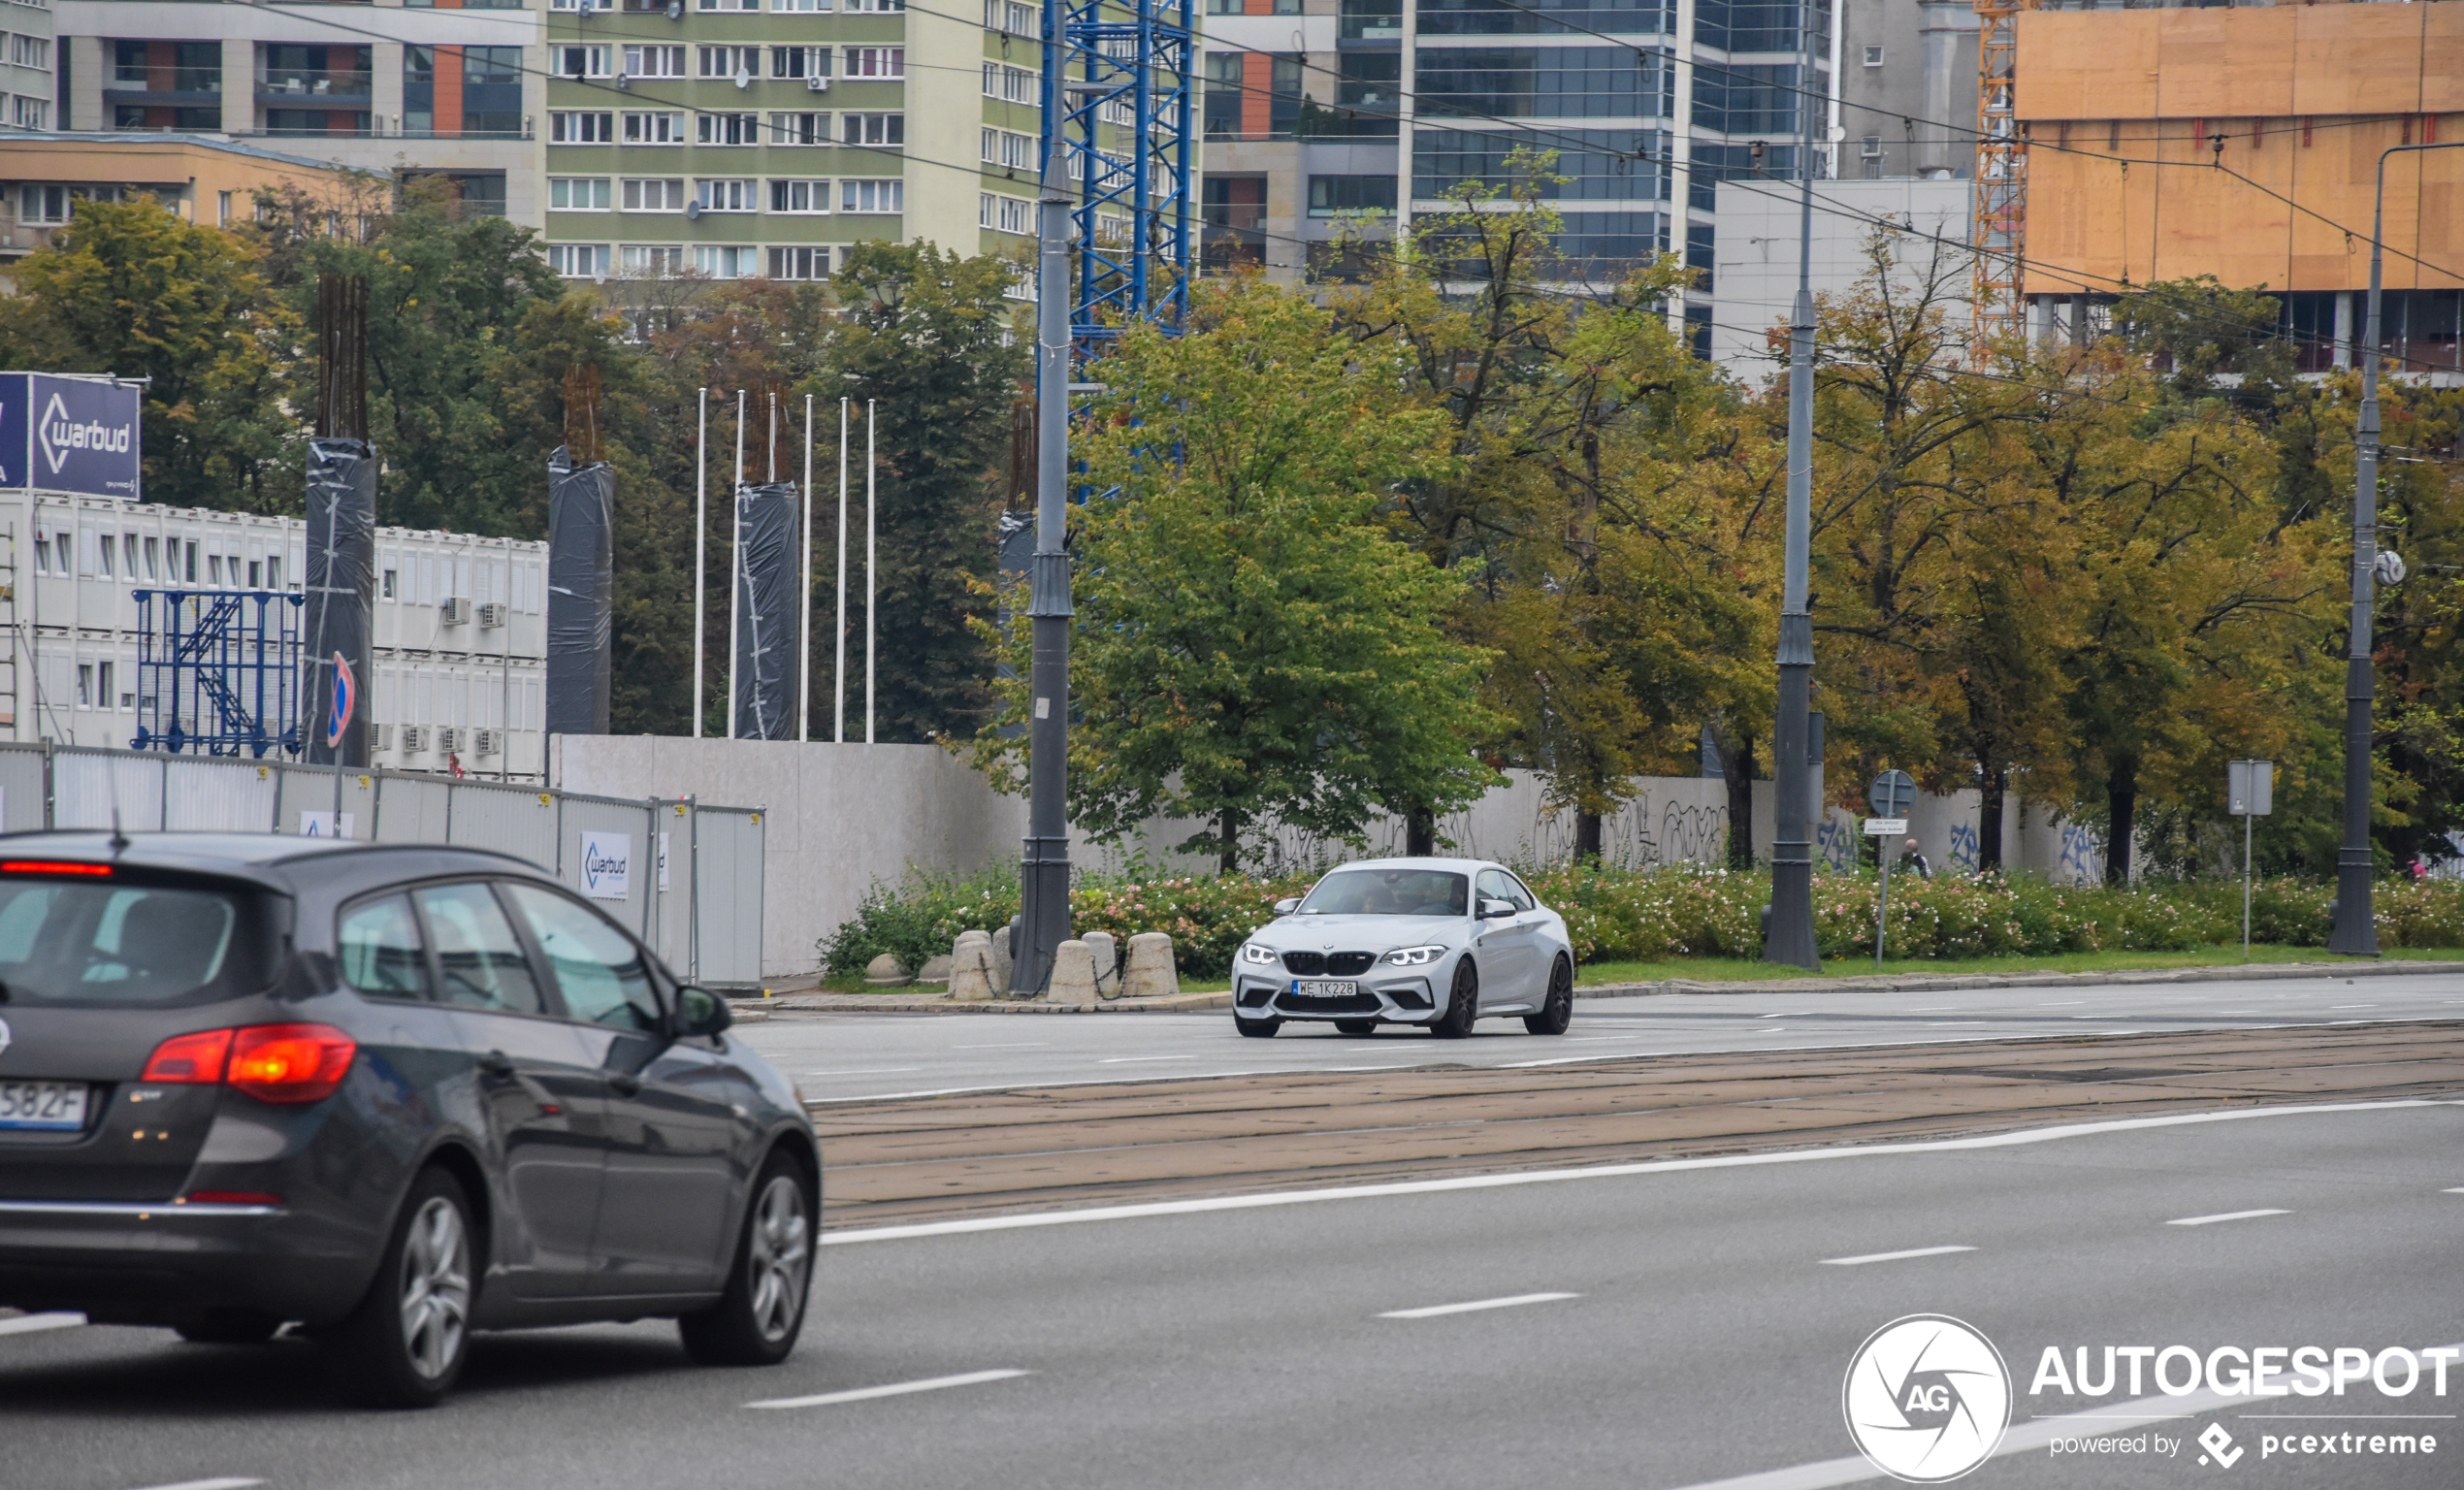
pixel 1003 962
pixel 1073 974
pixel 886 972
pixel 1107 964
pixel 936 969
pixel 1151 973
pixel 971 968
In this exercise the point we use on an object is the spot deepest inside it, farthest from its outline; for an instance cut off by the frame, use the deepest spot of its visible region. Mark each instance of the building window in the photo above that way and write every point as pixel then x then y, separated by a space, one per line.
pixel 799 61
pixel 1009 149
pixel 727 128
pixel 85 685
pixel 729 5
pixel 872 129
pixel 31 52
pixel 1873 57
pixel 581 61
pixel 877 62
pixel 43 204
pixel 726 195
pixel 1004 214
pixel 1015 17
pixel 579 261
pixel 579 194
pixel 800 263
pixel 798 196
pixel 29 113
pixel 799 129
pixel 727 262
pixel 654 194
pixel 859 7
pixel 1332 194
pixel 654 61
pixel 872 196
pixel 730 61
pixel 650 259
pixel 806 7
pixel 581 128
pixel 221 220
pixel 654 129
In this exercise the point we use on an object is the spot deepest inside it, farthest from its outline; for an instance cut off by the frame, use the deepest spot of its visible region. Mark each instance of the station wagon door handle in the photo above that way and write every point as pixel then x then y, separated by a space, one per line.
pixel 621 1085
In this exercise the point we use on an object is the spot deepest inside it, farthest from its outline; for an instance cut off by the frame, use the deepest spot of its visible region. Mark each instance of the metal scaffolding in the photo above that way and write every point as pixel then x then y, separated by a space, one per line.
pixel 2001 175
pixel 1119 85
pixel 217 671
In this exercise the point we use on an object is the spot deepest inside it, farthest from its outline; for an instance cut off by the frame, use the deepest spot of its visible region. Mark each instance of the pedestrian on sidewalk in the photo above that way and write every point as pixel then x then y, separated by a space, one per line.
pixel 1918 862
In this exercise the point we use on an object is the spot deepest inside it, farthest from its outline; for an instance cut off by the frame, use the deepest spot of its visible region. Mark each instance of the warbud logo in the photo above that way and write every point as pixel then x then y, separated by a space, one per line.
pixel 1926 1399
pixel 62 437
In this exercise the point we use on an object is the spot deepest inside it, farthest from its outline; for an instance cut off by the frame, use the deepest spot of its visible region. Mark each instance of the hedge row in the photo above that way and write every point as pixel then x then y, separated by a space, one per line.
pixel 1625 916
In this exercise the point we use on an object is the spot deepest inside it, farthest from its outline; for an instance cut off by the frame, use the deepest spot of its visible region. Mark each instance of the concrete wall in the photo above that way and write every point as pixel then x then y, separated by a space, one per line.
pixel 840 817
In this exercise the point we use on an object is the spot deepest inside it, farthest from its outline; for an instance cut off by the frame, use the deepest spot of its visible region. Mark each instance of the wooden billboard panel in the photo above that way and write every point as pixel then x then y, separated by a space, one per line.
pixel 2363 58
pixel 2086 64
pixel 2223 62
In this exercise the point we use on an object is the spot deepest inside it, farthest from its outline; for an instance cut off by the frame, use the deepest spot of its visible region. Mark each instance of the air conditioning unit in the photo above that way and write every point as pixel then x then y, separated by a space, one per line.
pixel 492 615
pixel 448 739
pixel 486 742
pixel 380 736
pixel 817 84
pixel 456 610
pixel 414 739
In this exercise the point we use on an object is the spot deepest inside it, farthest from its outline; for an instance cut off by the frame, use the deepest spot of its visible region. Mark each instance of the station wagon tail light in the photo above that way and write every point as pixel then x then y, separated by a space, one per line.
pixel 50 866
pixel 270 1062
pixel 290 1063
pixel 189 1058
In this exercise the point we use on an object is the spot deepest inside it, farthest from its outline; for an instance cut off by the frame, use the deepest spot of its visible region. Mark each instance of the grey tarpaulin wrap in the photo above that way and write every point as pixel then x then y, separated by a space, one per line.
pixel 342 589
pixel 582 567
pixel 766 618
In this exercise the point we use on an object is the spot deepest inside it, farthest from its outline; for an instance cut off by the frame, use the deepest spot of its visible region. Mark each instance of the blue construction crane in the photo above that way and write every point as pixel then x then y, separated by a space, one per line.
pixel 217 671
pixel 1119 85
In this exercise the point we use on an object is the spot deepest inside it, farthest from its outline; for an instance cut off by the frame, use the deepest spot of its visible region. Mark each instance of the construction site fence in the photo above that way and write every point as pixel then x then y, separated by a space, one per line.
pixel 684 876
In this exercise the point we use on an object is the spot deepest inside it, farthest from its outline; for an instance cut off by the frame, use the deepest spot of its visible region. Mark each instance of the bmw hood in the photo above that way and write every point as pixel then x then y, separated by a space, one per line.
pixel 1360 933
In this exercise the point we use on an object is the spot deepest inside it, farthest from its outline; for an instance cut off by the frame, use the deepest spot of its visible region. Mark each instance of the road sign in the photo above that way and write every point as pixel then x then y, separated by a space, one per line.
pixel 1886 827
pixel 2250 788
pixel 1891 794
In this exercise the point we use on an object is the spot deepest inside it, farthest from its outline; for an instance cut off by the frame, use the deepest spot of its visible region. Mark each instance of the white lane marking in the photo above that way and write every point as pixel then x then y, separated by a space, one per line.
pixel 1932 1008
pixel 896 1389
pixel 227 1482
pixel 1914 1251
pixel 27 1324
pixel 1031 1044
pixel 865 1071
pixel 1126 1060
pixel 2013 1139
pixel 2063 1003
pixel 2458 1190
pixel 2353 1006
pixel 1435 1309
pixel 2228 1216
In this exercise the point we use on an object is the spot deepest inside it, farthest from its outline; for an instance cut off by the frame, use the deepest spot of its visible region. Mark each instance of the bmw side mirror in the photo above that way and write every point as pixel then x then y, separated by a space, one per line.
pixel 1288 905
pixel 700 1012
pixel 1491 910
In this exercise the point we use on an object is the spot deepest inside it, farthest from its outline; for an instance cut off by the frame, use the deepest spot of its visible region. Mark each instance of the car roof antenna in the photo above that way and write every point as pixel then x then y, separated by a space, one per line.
pixel 118 840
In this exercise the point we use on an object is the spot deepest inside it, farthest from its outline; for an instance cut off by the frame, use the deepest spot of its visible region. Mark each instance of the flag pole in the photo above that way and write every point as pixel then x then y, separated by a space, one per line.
pixel 804 670
pixel 735 568
pixel 871 530
pixel 838 669
pixel 701 549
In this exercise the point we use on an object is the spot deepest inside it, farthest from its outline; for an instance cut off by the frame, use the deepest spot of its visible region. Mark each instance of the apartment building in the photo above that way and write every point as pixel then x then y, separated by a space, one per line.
pixel 730 139
pixel 455 92
pixel 1907 89
pixel 29 85
pixel 2244 143
pixel 206 178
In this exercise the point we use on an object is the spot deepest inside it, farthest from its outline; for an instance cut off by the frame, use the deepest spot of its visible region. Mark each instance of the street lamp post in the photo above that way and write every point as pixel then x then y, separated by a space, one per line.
pixel 2355 932
pixel 1789 934
pixel 1043 915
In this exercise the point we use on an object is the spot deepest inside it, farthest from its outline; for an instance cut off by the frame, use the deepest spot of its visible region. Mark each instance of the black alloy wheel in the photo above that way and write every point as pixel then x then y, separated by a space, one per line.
pixel 756 1321
pixel 1462 1003
pixel 1558 1009
pixel 409 1338
pixel 1356 1026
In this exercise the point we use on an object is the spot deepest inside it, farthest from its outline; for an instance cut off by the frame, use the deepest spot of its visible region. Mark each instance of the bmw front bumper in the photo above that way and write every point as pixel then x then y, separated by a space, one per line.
pixel 1397 995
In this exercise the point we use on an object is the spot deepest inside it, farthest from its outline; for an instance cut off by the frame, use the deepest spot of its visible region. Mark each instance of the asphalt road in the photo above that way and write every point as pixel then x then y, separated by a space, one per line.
pixel 844 1057
pixel 1697 1322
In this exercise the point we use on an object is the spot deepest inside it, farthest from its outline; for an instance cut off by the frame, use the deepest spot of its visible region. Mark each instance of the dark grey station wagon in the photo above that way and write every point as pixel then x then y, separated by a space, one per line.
pixel 386 1095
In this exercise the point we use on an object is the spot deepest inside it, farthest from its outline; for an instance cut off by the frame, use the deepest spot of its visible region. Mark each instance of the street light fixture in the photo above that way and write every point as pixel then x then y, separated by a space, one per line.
pixel 2355 932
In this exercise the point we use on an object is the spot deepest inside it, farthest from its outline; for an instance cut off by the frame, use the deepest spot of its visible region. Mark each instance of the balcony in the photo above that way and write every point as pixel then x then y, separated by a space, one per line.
pixel 298 85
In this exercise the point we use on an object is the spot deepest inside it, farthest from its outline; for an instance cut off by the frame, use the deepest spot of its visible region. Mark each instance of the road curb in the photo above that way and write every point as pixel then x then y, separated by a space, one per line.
pixel 1911 983
pixel 857 1003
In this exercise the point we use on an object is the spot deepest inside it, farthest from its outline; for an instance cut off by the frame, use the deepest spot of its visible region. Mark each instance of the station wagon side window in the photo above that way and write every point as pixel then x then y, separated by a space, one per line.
pixel 602 974
pixel 482 960
pixel 379 949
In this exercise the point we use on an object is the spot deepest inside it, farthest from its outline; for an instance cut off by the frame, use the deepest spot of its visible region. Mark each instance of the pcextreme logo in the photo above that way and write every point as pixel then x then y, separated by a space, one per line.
pixel 1926 1399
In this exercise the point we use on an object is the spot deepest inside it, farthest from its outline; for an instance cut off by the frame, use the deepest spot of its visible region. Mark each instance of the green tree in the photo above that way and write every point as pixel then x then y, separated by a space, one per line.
pixel 130 288
pixel 931 340
pixel 1251 650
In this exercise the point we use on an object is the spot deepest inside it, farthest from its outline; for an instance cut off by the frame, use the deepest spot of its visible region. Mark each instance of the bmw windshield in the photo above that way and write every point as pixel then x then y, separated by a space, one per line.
pixel 1389 893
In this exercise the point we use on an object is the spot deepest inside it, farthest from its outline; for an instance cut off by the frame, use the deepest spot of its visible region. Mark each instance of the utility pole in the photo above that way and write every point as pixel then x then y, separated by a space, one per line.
pixel 1789 934
pixel 1044 919
pixel 2355 932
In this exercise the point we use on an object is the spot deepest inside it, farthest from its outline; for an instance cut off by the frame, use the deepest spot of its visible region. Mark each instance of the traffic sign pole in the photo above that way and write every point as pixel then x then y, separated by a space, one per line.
pixel 1891 795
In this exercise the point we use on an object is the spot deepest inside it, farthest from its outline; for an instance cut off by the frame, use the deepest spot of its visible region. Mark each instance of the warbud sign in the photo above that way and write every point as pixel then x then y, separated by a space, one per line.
pixel 1928 1399
pixel 62 433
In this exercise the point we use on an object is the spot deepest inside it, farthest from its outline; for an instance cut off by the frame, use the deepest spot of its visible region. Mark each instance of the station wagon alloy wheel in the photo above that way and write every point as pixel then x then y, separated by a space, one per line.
pixel 436 1288
pixel 781 1252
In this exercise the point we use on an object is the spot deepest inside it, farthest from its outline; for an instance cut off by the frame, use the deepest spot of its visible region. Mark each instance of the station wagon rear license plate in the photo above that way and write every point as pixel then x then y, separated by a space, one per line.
pixel 58 1105
pixel 1325 987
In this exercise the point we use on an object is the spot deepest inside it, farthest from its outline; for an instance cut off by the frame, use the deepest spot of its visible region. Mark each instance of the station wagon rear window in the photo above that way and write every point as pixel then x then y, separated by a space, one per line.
pixel 116 942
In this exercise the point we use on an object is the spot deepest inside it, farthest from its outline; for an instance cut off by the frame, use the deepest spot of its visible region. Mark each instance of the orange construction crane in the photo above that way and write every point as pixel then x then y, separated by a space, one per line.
pixel 2000 196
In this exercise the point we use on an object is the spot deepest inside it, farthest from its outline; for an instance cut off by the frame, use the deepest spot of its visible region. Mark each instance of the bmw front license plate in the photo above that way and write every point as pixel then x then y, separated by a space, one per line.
pixel 54 1105
pixel 1325 987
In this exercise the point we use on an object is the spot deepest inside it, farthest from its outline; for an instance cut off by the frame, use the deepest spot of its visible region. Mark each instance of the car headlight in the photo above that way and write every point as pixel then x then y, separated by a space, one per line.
pixel 1414 956
pixel 1259 956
